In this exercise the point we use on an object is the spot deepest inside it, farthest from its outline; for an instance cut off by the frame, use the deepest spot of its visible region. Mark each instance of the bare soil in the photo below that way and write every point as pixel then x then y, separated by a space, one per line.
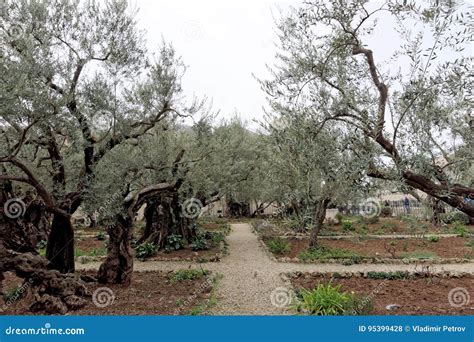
pixel 446 247
pixel 421 296
pixel 151 293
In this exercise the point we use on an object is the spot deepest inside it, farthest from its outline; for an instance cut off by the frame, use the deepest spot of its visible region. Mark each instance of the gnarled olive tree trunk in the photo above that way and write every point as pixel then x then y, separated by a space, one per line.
pixel 60 248
pixel 164 217
pixel 118 266
pixel 319 216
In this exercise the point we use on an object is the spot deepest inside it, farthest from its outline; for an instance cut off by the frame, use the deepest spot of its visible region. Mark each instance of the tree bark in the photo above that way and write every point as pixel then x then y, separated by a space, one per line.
pixel 319 216
pixel 164 217
pixel 118 266
pixel 60 248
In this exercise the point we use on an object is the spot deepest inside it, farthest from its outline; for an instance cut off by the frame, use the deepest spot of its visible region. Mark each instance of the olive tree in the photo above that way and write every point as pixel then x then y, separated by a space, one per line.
pixel 412 112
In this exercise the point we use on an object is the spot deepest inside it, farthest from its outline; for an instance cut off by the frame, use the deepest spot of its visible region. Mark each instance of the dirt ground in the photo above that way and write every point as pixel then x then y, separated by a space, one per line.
pixel 151 293
pixel 422 296
pixel 446 247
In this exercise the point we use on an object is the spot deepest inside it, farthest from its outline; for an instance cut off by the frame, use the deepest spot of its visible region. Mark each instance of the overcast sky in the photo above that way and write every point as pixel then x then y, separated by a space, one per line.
pixel 222 42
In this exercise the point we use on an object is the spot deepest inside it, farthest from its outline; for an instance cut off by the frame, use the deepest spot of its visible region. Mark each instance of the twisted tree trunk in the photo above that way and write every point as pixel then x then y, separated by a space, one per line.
pixel 60 248
pixel 118 266
pixel 319 216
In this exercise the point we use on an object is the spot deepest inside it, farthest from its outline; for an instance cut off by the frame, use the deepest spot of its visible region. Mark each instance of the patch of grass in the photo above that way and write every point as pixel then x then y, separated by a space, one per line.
pixel 330 300
pixel 322 252
pixel 420 255
pixel 278 246
pixel 180 301
pixel 433 238
pixel 183 275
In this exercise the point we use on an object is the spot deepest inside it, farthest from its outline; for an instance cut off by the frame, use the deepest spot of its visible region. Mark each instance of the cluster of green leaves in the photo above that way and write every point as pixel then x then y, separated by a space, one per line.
pixel 174 242
pixel 145 250
pixel 326 299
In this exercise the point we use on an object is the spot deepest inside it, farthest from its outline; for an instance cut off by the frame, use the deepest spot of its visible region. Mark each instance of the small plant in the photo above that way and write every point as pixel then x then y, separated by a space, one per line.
pixel 278 246
pixel 41 244
pixel 433 238
pixel 200 243
pixel 460 229
pixel 182 275
pixel 174 242
pixel 339 217
pixel 180 302
pixel 145 250
pixel 100 236
pixel 329 300
pixel 347 225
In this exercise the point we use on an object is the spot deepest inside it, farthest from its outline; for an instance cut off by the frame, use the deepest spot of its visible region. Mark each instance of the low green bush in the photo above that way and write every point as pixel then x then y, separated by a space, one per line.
pixel 330 300
pixel 200 243
pixel 174 242
pixel 460 229
pixel 433 238
pixel 278 246
pixel 145 250
pixel 347 225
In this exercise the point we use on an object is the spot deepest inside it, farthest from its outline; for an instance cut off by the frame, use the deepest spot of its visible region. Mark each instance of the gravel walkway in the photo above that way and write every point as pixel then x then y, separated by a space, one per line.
pixel 252 280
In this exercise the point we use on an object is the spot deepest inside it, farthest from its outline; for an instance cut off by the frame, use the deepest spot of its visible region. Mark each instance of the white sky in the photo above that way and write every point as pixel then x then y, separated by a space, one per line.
pixel 222 42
